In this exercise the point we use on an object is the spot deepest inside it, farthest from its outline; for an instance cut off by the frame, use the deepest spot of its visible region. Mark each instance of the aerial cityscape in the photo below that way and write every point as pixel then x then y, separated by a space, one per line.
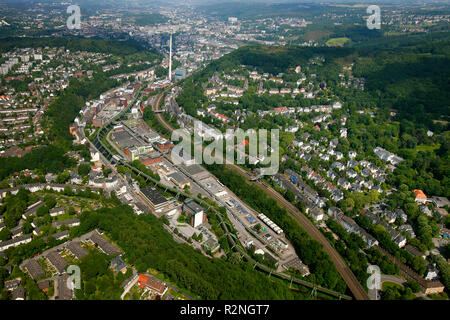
pixel 224 150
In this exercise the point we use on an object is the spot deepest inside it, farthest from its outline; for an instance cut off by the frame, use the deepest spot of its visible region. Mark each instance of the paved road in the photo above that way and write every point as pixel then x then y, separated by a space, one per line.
pixel 374 294
pixel 394 279
pixel 347 275
pixel 129 286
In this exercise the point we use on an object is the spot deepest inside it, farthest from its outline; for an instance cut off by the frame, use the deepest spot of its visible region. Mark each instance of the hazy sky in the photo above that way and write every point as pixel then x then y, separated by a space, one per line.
pixel 210 2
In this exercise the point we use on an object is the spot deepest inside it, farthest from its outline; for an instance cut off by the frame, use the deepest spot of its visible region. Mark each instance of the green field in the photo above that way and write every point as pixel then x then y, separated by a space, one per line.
pixel 386 285
pixel 337 42
pixel 426 148
pixel 315 34
pixel 151 19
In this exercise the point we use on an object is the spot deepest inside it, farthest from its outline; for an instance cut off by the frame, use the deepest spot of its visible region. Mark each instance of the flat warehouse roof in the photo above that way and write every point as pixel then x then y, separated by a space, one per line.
pixel 194 206
pixel 194 169
pixel 177 177
pixel 124 139
pixel 154 195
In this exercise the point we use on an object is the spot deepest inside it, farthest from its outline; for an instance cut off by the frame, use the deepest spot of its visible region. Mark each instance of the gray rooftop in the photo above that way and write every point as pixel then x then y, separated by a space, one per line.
pixel 57 262
pixel 154 196
pixel 194 169
pixel 34 269
pixel 106 246
pixel 75 248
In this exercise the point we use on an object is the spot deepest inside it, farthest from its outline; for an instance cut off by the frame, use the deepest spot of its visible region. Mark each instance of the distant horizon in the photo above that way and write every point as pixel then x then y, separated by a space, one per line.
pixel 238 1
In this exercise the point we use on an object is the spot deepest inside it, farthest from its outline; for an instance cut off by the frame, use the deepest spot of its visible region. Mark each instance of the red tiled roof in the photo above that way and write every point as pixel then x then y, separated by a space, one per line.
pixel 222 116
pixel 419 194
pixel 153 284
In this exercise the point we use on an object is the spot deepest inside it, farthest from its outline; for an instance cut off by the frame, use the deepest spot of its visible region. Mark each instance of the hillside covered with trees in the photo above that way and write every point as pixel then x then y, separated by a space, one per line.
pixel 148 245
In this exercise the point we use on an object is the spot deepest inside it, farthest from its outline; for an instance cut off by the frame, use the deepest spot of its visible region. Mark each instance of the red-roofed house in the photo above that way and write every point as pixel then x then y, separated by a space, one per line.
pixel 222 117
pixel 420 196
pixel 80 73
pixel 280 109
pixel 154 285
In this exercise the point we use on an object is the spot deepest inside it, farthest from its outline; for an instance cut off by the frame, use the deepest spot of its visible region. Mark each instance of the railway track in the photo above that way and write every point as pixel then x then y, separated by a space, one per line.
pixel 347 275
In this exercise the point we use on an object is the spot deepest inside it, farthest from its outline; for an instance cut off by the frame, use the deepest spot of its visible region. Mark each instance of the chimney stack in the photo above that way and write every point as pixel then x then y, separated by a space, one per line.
pixel 170 58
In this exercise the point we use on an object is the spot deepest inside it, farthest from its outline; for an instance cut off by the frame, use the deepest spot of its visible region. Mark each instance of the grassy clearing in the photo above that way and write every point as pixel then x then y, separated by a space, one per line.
pixel 337 42
pixel 386 285
pixel 315 34
pixel 426 148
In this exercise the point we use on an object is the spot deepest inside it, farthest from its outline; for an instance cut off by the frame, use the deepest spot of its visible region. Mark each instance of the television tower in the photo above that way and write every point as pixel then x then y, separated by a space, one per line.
pixel 170 58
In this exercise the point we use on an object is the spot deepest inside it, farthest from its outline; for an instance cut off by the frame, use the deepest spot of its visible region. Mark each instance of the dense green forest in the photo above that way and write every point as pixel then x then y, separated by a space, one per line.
pixel 46 158
pixel 63 110
pixel 412 79
pixel 254 9
pixel 98 281
pixel 148 245
pixel 269 59
pixel 118 48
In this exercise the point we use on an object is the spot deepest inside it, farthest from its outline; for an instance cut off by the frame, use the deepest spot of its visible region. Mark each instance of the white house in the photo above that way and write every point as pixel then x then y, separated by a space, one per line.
pixel 57 212
pixel 337 105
